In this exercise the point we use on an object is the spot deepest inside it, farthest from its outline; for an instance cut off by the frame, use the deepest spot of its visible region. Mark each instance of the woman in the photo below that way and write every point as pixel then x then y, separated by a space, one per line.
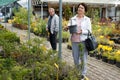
pixel 83 24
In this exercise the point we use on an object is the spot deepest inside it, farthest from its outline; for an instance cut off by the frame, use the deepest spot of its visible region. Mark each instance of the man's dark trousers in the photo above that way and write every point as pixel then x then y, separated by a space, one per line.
pixel 53 40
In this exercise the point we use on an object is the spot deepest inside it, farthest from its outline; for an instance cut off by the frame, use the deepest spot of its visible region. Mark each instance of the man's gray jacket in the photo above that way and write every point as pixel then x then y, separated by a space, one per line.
pixel 54 24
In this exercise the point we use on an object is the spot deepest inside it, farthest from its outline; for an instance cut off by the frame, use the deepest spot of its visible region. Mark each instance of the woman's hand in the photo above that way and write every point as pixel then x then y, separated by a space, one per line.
pixel 46 29
pixel 79 32
pixel 66 28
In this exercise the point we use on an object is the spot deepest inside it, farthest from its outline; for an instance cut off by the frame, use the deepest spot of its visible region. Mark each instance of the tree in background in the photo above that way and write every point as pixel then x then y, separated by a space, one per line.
pixel 67 12
pixel 94 14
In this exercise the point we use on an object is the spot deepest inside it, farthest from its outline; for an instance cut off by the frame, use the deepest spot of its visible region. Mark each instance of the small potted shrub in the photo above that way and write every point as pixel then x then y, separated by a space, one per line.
pixel 66 36
pixel 105 57
pixel 98 55
pixel 1 26
pixel 92 53
pixel 69 45
pixel 111 58
pixel 117 57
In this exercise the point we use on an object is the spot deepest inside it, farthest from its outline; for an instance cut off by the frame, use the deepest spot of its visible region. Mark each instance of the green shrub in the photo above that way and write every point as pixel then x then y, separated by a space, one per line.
pixel 9 36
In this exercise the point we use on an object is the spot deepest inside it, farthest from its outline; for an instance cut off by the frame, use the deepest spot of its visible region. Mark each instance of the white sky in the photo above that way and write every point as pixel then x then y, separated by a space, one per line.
pixel 23 3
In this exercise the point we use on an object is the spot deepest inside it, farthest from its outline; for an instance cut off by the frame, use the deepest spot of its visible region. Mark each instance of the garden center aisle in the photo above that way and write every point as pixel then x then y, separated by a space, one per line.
pixel 97 69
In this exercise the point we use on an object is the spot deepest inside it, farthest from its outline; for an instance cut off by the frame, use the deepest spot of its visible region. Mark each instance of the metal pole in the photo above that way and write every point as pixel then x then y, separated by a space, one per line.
pixel 60 28
pixel 29 1
pixel 41 10
pixel 5 18
pixel 115 13
pixel 74 10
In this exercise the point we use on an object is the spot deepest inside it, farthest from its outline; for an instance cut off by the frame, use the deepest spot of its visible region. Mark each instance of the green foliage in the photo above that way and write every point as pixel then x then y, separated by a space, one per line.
pixel 65 34
pixel 8 36
pixel 5 75
pixel 67 12
pixel 111 57
pixel 1 26
pixel 8 63
pixel 43 28
pixel 80 66
pixel 7 47
pixel 31 61
pixel 21 16
pixel 39 27
pixel 105 54
pixel 70 73
pixel 117 56
pixel 20 73
pixel 95 17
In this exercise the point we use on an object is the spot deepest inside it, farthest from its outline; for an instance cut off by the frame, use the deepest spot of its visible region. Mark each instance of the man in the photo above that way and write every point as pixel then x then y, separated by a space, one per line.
pixel 53 27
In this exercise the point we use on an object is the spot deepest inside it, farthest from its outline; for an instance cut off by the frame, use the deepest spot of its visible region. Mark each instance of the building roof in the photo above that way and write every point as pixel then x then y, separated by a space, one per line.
pixel 6 2
pixel 79 1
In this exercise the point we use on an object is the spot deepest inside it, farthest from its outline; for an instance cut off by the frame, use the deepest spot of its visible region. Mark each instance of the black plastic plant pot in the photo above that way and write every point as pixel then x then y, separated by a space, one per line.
pixel 118 64
pixel 92 54
pixel 104 59
pixel 98 57
pixel 111 61
pixel 69 47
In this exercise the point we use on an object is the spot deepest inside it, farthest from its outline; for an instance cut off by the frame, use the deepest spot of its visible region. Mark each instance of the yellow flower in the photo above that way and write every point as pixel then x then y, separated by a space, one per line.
pixel 35 29
pixel 101 37
pixel 56 66
pixel 43 48
pixel 98 25
pixel 113 25
pixel 33 24
pixel 109 48
pixel 111 42
pixel 14 19
pixel 104 48
pixel 99 46
pixel 99 30
pixel 10 21
pixel 118 52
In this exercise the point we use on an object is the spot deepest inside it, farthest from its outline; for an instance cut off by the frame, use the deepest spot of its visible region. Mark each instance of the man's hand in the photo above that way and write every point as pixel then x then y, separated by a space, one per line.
pixel 55 32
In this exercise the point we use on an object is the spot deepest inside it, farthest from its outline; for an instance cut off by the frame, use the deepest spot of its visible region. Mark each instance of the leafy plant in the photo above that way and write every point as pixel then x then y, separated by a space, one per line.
pixel 39 27
pixel 1 26
pixel 67 12
pixel 65 34
pixel 105 54
pixel 95 18
pixel 117 55
pixel 111 56
pixel 9 36
pixel 21 16
pixel 5 75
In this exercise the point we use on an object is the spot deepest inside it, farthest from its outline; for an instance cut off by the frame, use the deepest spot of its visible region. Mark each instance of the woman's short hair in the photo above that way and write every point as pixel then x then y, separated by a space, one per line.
pixel 83 4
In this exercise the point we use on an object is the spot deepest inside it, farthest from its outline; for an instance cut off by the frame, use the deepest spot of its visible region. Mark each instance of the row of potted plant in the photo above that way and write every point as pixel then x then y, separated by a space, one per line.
pixel 20 19
pixel 107 54
pixel 31 60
